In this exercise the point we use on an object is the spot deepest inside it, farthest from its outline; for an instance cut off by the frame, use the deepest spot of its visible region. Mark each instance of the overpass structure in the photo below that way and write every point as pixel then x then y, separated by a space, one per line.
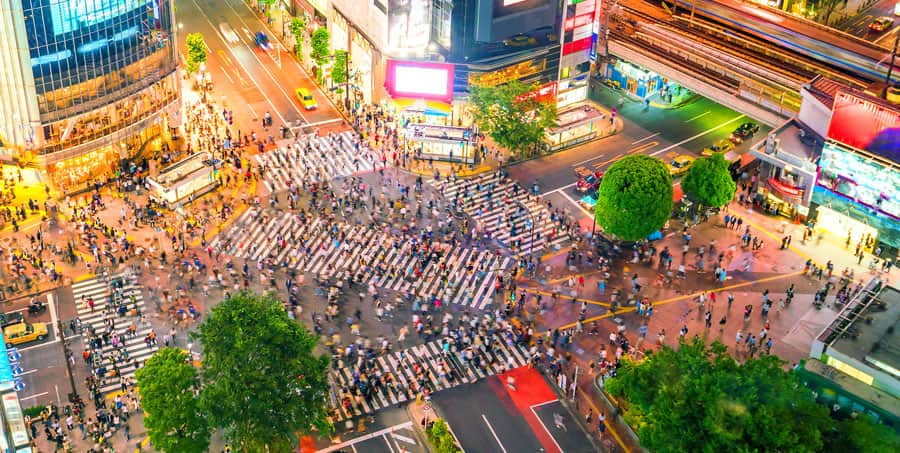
pixel 736 68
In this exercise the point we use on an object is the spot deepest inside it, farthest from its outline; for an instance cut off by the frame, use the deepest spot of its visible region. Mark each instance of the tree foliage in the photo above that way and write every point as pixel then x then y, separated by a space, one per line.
pixel 262 382
pixel 441 438
pixel 697 398
pixel 512 119
pixel 298 31
pixel 339 70
pixel 709 182
pixel 169 385
pixel 635 197
pixel 196 51
pixel 321 48
pixel 865 435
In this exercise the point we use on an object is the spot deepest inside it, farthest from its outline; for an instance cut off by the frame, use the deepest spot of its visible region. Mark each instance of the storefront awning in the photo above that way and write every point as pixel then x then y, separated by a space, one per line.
pixel 428 107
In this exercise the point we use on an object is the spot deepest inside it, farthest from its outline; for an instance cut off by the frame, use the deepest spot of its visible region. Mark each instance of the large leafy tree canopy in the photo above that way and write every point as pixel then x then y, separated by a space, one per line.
pixel 635 197
pixel 169 385
pixel 262 381
pixel 697 398
pixel 513 119
pixel 709 182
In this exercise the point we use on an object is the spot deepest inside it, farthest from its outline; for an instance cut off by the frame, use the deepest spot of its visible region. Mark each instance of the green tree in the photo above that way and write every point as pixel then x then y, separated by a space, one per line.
pixel 262 382
pixel 169 387
pixel 515 121
pixel 709 182
pixel 196 51
pixel 440 437
pixel 298 31
pixel 635 197
pixel 321 48
pixel 865 435
pixel 339 70
pixel 697 398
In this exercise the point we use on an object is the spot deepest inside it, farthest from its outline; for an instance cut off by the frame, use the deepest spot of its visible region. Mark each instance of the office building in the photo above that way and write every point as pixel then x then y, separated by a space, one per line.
pixel 86 85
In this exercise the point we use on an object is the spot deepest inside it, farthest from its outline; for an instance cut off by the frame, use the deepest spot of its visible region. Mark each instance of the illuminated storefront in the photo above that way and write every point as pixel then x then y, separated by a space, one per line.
pixel 858 185
pixel 98 77
pixel 576 126
pixel 184 180
pixel 362 56
pixel 440 143
pixel 637 81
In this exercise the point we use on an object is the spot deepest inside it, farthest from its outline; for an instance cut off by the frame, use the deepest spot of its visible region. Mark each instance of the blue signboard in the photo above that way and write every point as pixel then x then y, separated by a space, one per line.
pixel 592 55
pixel 6 375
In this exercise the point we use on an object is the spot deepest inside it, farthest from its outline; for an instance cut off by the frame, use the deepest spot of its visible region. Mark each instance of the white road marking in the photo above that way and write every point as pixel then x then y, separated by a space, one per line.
pixel 558 189
pixel 359 439
pixel 39 345
pixel 586 161
pixel 545 426
pixel 403 438
pixel 36 395
pixel 388 442
pixel 250 48
pixel 578 205
pixel 699 116
pixel 646 138
pixel 486 422
pixel 51 305
pixel 698 135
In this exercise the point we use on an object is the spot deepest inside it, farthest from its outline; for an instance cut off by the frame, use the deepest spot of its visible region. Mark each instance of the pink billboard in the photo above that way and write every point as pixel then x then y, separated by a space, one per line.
pixel 865 124
pixel 420 80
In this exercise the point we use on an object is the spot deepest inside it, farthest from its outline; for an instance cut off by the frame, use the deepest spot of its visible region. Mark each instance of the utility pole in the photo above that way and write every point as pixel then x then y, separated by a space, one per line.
pixel 887 79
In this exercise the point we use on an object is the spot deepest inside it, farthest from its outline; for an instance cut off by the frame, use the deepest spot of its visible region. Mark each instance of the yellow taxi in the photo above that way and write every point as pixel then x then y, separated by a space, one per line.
pixel 680 164
pixel 25 332
pixel 306 98
pixel 721 146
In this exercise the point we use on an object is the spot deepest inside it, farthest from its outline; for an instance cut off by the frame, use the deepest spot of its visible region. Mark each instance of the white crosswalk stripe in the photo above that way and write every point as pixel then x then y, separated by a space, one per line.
pixel 443 370
pixel 496 205
pixel 314 158
pixel 105 305
pixel 460 275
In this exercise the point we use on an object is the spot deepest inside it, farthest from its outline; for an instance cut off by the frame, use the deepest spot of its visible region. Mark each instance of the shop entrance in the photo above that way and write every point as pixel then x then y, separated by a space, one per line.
pixel 841 225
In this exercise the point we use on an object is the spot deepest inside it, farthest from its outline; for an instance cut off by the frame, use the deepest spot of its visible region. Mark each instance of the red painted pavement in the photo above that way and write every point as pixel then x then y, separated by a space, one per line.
pixel 531 389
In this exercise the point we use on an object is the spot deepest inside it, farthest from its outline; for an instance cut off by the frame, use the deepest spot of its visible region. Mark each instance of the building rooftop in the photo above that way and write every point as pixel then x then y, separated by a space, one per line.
pixel 867 331
pixel 824 89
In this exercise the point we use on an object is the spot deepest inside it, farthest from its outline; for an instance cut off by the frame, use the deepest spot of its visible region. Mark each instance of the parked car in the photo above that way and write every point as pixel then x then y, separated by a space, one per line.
pixel 680 164
pixel 8 319
pixel 262 40
pixel 589 183
pixel 743 132
pixel 24 333
pixel 881 24
pixel 721 146
pixel 306 98
pixel 583 172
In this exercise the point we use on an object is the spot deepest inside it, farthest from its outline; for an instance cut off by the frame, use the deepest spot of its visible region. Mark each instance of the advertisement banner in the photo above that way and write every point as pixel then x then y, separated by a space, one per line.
pixel 411 79
pixel 865 124
pixel 592 53
pixel 409 24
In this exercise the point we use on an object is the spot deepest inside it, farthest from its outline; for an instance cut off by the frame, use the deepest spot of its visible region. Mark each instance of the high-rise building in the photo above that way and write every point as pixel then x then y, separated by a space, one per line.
pixel 85 85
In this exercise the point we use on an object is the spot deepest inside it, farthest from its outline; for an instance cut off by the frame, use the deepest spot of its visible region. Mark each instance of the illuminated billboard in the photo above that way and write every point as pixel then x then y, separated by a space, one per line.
pixel 861 179
pixel 72 15
pixel 865 124
pixel 419 80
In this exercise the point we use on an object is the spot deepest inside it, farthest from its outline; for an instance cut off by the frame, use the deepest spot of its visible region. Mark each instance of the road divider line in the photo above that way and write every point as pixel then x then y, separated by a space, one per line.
pixel 36 395
pixel 641 148
pixel 698 135
pixel 646 138
pixel 547 430
pixel 357 440
pixel 698 116
pixel 502 448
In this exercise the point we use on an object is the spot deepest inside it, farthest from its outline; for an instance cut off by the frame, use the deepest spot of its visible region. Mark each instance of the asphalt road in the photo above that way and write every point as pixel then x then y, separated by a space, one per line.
pixel 662 133
pixel 485 419
pixel 392 432
pixel 858 25
pixel 252 81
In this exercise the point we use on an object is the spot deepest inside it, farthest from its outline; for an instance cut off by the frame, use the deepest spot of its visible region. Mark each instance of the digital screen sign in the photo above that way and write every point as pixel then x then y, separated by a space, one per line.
pixel 860 179
pixel 409 24
pixel 72 15
pixel 866 125
pixel 420 80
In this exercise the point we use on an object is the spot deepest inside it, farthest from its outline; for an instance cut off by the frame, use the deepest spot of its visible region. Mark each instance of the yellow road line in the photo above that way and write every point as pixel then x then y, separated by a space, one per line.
pixel 683 297
pixel 580 299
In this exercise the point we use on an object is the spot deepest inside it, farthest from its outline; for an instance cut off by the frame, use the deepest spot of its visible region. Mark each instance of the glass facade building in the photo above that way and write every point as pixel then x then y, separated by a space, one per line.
pixel 98 78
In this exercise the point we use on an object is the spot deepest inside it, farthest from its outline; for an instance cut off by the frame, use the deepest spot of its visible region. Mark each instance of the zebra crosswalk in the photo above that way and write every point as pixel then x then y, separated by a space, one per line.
pixel 458 275
pixel 314 158
pixel 118 361
pixel 497 206
pixel 443 369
